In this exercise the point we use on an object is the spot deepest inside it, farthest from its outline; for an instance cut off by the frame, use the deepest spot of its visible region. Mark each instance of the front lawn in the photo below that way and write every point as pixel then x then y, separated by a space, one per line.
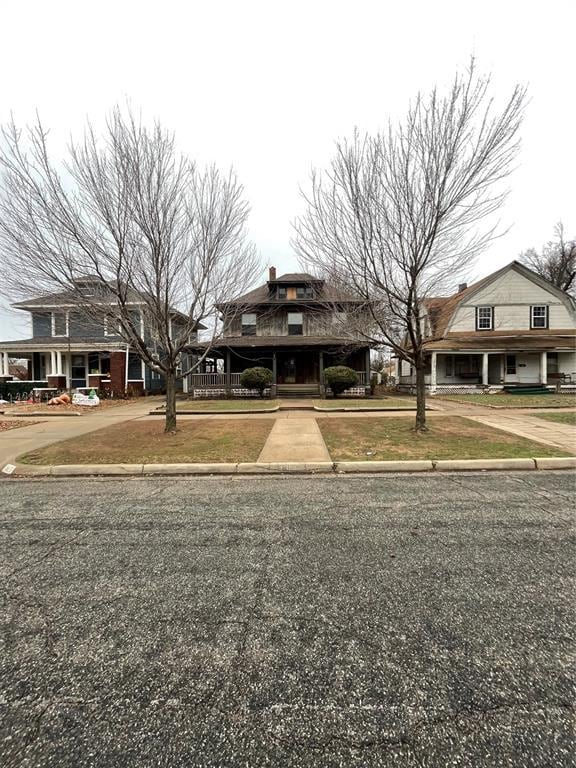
pixel 560 418
pixel 388 403
pixel 144 442
pixel 388 439
pixel 227 405
pixel 512 401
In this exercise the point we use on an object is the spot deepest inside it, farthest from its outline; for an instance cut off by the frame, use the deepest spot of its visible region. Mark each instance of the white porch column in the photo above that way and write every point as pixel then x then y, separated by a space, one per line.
pixel 543 367
pixel 5 364
pixel 59 369
pixel 52 363
pixel 433 372
pixel 485 369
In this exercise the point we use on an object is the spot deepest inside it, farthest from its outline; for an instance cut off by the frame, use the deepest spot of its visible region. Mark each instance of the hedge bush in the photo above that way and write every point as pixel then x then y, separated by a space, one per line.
pixel 256 378
pixel 340 378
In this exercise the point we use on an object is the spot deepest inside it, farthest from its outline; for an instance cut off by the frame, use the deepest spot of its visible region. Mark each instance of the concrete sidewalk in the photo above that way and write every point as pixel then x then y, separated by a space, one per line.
pixel 52 429
pixel 295 439
pixel 531 427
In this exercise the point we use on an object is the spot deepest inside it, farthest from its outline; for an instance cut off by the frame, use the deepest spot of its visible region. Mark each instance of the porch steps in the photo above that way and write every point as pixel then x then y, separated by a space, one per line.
pixel 527 389
pixel 298 390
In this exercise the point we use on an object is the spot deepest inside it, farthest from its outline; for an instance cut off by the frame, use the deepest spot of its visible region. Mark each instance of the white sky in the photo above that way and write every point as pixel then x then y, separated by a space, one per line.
pixel 267 86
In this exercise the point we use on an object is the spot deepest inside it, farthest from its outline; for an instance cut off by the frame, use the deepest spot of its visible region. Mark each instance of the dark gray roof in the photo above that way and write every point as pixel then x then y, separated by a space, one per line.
pixel 262 295
pixel 296 277
pixel 62 342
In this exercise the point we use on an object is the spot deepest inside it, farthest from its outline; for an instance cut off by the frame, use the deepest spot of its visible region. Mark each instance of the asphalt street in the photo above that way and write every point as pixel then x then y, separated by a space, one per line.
pixel 406 621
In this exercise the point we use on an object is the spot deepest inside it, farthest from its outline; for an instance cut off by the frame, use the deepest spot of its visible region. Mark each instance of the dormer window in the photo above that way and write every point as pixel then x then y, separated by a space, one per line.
pixel 249 324
pixel 484 318
pixel 281 292
pixel 304 292
pixel 539 316
pixel 59 324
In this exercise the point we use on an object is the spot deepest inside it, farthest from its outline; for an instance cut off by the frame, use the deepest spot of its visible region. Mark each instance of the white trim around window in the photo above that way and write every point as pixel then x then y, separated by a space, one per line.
pixel 539 316
pixel 108 331
pixel 485 318
pixel 66 329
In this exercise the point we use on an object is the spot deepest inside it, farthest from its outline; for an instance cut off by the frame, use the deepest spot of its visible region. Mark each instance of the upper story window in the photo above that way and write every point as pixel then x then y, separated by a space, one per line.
pixel 249 324
pixel 59 324
pixel 484 318
pixel 112 327
pixel 295 323
pixel 539 316
pixel 304 292
pixel 281 292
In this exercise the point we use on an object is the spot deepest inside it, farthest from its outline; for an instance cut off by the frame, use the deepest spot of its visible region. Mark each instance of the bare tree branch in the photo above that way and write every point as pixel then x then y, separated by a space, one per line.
pixel 399 216
pixel 140 219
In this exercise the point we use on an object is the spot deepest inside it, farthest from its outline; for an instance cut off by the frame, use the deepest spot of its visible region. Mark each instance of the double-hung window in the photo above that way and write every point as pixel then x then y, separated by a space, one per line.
pixel 295 323
pixel 484 318
pixel 304 292
pixel 539 316
pixel 59 324
pixel 249 324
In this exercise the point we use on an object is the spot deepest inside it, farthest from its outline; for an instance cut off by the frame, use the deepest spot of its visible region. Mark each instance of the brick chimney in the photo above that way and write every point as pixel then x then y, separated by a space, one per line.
pixel 272 273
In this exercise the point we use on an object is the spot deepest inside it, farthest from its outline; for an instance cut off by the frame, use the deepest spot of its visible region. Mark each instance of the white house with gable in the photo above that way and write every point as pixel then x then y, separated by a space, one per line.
pixel 513 328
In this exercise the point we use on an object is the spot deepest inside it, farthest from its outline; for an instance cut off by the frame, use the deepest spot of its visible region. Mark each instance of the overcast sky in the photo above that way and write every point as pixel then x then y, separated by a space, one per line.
pixel 268 86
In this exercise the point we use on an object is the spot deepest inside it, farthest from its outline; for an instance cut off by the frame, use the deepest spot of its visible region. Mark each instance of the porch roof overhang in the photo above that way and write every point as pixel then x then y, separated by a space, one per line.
pixel 61 344
pixel 281 342
pixel 505 341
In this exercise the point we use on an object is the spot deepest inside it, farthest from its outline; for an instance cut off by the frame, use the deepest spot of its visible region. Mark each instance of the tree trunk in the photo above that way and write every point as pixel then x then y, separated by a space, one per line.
pixel 170 425
pixel 420 425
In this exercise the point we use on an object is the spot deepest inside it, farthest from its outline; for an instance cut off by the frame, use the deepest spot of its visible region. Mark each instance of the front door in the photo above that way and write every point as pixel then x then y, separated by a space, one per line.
pixel 511 369
pixel 287 370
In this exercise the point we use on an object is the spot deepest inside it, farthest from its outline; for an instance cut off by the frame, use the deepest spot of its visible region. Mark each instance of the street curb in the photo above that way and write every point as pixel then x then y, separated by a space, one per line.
pixel 310 468
pixel 566 462
pixel 483 464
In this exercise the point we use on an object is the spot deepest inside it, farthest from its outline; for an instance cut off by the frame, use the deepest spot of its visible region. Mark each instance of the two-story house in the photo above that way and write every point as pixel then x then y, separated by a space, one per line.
pixel 295 325
pixel 72 349
pixel 513 328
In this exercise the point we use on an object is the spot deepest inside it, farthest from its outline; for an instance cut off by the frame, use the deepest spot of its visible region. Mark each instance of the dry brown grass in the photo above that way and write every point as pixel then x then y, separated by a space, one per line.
pixel 141 442
pixel 392 438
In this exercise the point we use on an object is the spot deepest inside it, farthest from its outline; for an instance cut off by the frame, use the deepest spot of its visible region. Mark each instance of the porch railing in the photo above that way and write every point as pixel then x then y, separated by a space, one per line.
pixel 213 380
pixel 220 380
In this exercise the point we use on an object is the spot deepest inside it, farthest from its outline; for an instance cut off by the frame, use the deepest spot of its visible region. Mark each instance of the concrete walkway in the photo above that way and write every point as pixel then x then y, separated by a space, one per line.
pixel 524 425
pixel 294 439
pixel 52 429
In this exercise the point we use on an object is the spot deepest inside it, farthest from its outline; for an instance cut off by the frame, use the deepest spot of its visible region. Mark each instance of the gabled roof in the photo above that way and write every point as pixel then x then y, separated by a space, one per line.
pixel 441 309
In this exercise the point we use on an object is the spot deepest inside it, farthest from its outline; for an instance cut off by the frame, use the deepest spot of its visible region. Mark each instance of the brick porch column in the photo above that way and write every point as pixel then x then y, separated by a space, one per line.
pixel 118 371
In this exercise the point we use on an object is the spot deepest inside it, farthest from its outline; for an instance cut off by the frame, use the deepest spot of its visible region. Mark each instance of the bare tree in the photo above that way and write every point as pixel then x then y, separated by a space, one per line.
pixel 141 220
pixel 556 261
pixel 400 215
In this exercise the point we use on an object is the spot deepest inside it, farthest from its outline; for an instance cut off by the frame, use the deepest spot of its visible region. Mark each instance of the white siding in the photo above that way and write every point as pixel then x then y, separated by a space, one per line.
pixel 512 295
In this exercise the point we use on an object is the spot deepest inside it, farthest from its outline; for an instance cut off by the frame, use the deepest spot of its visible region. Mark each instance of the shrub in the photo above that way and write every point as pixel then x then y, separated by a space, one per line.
pixel 256 378
pixel 339 378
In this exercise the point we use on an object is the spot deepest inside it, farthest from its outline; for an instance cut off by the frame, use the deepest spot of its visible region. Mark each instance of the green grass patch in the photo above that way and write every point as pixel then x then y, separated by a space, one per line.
pixel 367 402
pixel 393 438
pixel 144 442
pixel 227 406
pixel 560 418
pixel 513 401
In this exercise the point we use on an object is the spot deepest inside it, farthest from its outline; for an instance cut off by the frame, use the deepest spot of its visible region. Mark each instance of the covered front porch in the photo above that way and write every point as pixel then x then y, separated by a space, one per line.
pixel 294 371
pixel 459 370
pixel 115 370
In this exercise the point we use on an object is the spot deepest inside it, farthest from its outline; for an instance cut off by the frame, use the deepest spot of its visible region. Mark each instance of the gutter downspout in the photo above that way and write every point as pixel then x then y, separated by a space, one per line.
pixel 126 370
